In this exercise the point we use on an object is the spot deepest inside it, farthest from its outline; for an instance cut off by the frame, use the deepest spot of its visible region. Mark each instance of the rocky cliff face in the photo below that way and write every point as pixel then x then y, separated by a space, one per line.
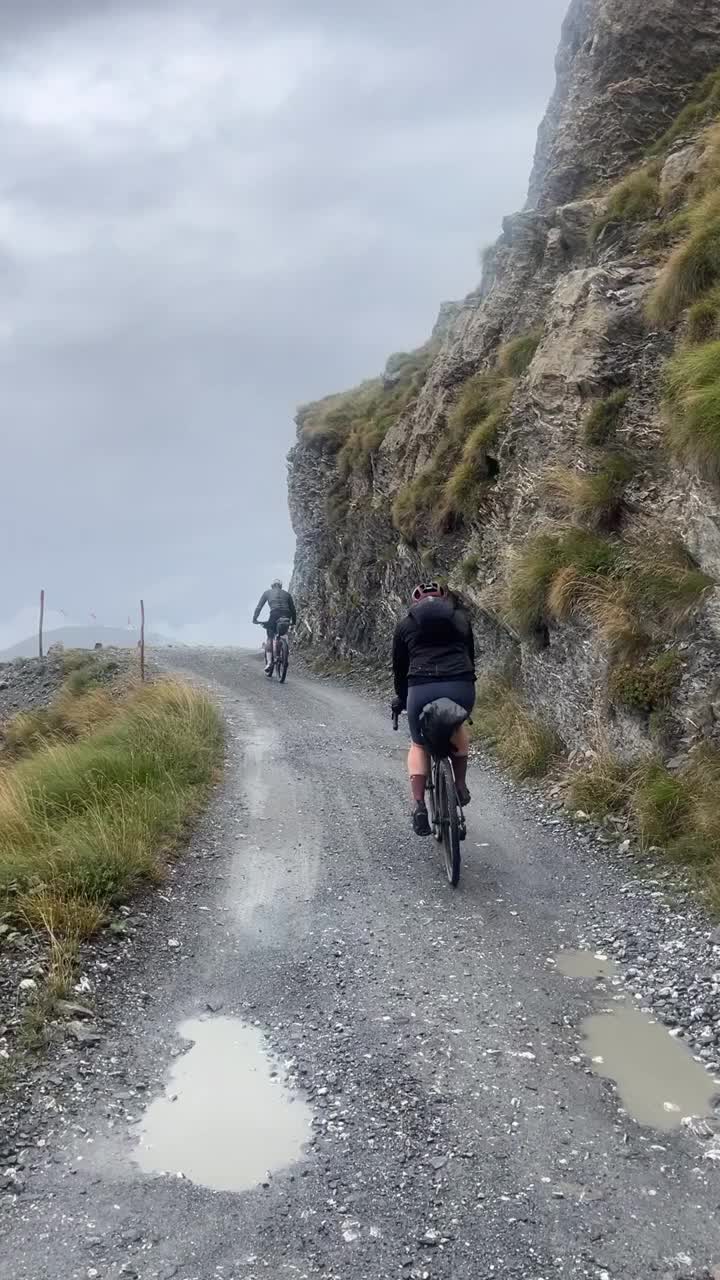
pixel 537 452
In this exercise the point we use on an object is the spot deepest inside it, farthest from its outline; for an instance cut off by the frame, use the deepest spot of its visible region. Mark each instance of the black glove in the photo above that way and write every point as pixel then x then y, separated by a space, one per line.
pixel 397 706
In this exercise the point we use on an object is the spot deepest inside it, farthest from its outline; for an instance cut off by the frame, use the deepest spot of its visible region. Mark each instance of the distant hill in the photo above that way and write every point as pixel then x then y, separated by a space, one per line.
pixel 79 638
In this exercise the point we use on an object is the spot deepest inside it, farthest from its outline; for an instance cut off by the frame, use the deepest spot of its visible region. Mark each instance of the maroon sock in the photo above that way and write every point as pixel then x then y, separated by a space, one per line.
pixel 460 764
pixel 417 786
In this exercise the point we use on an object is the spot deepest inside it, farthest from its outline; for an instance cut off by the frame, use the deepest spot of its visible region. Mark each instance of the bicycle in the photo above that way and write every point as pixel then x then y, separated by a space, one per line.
pixel 279 650
pixel 447 819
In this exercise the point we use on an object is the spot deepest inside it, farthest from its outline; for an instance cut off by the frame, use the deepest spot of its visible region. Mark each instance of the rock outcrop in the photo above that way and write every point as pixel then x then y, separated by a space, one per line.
pixel 524 452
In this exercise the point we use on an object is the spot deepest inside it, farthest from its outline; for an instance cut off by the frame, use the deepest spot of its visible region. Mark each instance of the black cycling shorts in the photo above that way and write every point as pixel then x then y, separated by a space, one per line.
pixel 419 695
pixel 273 622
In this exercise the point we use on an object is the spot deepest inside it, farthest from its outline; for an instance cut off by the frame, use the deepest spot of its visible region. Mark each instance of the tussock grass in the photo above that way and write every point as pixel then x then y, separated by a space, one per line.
pixel 692 398
pixel 84 823
pixel 694 266
pixel 516 356
pixel 545 561
pixel 523 742
pixel 646 685
pixel 482 408
pixel 633 200
pixel 630 589
pixel 703 106
pixel 703 323
pixel 450 487
pixel 604 418
pixel 469 568
pixel 601 788
pixel 356 421
pixel 86 699
pixel 677 812
pixel 593 497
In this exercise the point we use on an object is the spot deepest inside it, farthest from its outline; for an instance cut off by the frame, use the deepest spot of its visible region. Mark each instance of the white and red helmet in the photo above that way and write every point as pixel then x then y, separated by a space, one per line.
pixel 428 591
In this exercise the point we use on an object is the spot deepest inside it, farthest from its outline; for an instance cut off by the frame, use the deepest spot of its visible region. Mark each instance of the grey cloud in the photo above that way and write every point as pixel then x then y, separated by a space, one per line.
pixel 187 255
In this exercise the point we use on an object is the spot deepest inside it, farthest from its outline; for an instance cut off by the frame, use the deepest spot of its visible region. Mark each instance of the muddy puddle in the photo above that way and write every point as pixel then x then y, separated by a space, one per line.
pixel 657 1079
pixel 584 964
pixel 226 1120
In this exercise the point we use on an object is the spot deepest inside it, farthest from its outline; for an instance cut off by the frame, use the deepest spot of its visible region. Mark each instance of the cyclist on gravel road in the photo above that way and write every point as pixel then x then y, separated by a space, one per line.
pixel 433 657
pixel 281 605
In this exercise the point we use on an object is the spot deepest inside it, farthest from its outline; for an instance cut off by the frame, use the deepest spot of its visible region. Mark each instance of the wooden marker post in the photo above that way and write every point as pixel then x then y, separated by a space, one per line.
pixel 142 639
pixel 42 618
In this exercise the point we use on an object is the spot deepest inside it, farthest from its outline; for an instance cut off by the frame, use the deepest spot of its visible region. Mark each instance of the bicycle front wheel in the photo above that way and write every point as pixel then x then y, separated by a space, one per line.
pixel 283 661
pixel 448 807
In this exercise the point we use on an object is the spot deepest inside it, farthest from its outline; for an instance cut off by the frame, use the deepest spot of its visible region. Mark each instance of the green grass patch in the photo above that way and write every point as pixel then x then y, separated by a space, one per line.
pixel 449 489
pixel 354 423
pixel 604 418
pixel 678 812
pixel 523 742
pixel 692 398
pixel 537 566
pixel 646 685
pixel 703 322
pixel 601 788
pixel 594 497
pixel 83 823
pixel 469 568
pixel 633 200
pixel 516 356
pixel 703 106
pixel 631 590
pixel 694 266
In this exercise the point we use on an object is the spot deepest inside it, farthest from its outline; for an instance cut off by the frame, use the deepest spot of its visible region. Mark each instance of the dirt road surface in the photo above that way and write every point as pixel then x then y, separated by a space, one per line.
pixel 433 1112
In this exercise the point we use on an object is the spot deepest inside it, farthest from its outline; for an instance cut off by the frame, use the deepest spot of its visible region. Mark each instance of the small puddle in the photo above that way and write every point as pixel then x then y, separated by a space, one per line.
pixel 657 1079
pixel 224 1122
pixel 584 964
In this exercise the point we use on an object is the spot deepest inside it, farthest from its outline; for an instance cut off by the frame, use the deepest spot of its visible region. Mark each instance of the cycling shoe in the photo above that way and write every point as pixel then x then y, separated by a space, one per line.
pixel 420 821
pixel 463 794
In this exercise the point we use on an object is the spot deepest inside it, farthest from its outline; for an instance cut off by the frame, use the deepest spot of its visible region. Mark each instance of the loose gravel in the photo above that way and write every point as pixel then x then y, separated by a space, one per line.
pixel 457 1129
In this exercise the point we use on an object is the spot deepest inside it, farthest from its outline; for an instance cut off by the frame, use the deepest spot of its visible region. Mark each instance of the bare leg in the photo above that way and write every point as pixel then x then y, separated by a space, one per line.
pixel 418 767
pixel 460 742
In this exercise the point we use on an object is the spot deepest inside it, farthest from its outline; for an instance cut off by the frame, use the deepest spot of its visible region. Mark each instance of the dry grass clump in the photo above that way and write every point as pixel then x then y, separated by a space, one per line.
pixel 604 418
pixel 634 199
pixel 694 266
pixel 547 560
pixel 523 742
pixel 516 356
pixel 593 497
pixel 678 812
pixel 703 322
pixel 631 589
pixel 450 487
pixel 692 399
pixel 354 423
pixel 703 105
pixel 645 685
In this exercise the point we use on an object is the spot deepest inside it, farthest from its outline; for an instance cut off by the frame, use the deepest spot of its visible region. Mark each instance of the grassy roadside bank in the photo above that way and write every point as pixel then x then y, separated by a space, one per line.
pixel 95 792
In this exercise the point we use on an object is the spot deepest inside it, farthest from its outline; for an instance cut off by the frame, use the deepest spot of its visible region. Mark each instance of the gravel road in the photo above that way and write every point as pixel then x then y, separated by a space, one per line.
pixel 456 1130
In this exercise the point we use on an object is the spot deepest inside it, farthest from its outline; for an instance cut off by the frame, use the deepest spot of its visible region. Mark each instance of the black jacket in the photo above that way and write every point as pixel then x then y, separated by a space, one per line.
pixel 433 642
pixel 280 602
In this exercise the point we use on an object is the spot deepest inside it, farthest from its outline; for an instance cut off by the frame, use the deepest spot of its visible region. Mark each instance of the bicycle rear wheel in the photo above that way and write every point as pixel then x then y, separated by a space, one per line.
pixel 448 812
pixel 283 660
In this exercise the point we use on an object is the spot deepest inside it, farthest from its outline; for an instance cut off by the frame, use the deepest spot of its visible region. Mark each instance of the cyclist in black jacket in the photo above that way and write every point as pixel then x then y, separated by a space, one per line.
pixel 433 657
pixel 281 605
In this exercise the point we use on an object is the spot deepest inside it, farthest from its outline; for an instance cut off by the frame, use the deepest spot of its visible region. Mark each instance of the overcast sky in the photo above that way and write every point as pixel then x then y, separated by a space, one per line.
pixel 211 211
